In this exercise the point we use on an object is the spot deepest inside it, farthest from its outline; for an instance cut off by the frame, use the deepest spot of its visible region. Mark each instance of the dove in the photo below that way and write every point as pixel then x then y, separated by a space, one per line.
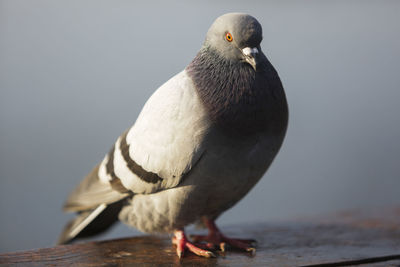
pixel 199 145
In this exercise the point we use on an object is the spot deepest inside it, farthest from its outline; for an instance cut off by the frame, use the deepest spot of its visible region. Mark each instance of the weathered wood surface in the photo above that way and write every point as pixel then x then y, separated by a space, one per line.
pixel 347 239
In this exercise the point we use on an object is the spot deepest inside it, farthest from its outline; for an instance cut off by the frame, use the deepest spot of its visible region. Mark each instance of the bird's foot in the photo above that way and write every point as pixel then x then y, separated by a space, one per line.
pixel 221 241
pixel 215 239
pixel 182 243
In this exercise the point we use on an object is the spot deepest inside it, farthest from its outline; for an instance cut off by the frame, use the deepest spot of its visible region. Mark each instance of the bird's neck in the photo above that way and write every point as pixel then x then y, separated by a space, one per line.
pixel 238 99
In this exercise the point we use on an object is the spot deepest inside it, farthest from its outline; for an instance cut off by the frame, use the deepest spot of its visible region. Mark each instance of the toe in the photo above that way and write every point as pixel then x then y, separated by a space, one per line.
pixel 240 244
pixel 198 251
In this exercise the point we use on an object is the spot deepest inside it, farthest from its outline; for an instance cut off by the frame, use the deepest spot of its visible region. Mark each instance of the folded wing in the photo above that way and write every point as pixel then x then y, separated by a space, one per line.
pixel 166 141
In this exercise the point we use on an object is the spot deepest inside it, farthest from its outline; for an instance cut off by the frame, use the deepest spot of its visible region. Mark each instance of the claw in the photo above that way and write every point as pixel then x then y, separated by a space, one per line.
pixel 222 246
pixel 252 251
pixel 210 254
pixel 180 254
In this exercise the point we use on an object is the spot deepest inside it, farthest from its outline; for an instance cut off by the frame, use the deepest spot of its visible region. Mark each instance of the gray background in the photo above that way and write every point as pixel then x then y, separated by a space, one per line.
pixel 75 74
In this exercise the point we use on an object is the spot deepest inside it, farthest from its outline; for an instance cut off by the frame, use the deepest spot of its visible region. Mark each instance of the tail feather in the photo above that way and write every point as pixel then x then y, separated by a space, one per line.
pixel 97 205
pixel 91 222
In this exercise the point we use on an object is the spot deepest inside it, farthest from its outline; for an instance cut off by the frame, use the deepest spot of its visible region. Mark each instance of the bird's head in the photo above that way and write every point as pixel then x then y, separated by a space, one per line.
pixel 237 37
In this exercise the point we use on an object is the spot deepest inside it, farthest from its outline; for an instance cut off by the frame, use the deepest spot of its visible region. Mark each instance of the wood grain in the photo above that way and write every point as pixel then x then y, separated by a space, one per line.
pixel 345 239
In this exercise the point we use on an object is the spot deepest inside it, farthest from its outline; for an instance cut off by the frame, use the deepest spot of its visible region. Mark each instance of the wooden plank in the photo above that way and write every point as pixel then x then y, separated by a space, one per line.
pixel 342 240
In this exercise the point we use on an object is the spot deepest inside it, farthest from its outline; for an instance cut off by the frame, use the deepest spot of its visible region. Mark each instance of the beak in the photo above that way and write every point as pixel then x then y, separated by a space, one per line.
pixel 250 55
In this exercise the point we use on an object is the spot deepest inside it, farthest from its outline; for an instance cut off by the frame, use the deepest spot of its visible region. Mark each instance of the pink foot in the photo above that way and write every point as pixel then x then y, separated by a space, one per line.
pixel 216 239
pixel 182 243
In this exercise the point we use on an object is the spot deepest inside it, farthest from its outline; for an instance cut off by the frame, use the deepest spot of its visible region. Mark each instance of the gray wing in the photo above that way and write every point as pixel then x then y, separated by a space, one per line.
pixel 163 145
pixel 165 142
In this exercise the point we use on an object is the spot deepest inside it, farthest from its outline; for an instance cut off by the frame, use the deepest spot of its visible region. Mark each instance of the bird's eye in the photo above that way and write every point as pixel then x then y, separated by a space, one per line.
pixel 229 37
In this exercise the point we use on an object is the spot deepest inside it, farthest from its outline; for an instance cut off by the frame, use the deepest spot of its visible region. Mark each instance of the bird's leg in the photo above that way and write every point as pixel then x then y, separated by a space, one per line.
pixel 180 240
pixel 216 238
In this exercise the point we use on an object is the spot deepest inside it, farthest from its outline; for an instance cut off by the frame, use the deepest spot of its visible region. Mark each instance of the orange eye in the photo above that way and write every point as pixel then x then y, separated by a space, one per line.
pixel 229 37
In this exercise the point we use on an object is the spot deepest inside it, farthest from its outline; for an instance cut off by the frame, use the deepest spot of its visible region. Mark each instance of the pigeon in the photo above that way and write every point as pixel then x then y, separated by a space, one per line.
pixel 201 142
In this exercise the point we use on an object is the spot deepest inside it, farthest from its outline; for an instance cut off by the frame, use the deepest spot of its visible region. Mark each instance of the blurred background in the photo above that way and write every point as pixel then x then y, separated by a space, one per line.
pixel 75 74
